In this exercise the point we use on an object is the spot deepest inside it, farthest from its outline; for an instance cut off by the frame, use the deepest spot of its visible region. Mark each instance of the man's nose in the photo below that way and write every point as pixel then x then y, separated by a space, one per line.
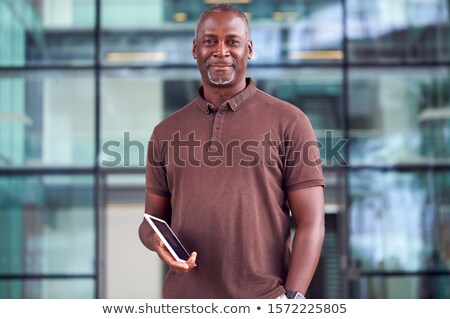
pixel 221 49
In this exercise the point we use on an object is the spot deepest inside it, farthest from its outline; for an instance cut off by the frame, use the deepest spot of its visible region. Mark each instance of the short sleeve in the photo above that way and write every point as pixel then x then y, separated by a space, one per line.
pixel 302 163
pixel 156 170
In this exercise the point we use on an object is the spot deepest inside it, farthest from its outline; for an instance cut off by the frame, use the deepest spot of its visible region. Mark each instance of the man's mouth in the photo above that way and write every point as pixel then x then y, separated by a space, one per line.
pixel 220 67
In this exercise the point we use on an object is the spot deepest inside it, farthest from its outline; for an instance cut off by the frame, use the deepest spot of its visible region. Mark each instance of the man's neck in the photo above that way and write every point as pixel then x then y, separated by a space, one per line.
pixel 218 95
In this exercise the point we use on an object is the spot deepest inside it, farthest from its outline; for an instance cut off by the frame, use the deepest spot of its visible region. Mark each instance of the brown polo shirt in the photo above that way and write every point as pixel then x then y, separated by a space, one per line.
pixel 227 171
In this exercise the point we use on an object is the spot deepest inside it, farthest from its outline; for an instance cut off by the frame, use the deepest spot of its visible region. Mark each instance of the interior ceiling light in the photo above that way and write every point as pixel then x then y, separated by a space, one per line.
pixel 180 16
pixel 317 55
pixel 16 117
pixel 278 15
pixel 434 114
pixel 136 56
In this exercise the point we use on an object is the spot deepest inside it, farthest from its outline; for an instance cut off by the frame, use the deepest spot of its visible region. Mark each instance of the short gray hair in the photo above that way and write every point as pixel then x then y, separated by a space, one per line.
pixel 228 9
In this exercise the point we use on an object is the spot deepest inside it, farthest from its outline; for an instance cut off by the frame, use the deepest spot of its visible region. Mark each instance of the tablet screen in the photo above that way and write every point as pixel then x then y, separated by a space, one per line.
pixel 170 237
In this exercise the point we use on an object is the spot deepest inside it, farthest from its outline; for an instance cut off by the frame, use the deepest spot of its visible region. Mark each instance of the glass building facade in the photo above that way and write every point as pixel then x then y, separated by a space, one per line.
pixel 83 83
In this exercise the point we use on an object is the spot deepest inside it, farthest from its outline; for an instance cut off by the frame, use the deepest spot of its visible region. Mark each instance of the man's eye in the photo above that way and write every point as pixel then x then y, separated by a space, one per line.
pixel 209 41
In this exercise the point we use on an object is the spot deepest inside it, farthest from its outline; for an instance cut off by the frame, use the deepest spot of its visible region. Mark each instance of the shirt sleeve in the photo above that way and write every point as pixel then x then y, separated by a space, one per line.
pixel 156 170
pixel 302 163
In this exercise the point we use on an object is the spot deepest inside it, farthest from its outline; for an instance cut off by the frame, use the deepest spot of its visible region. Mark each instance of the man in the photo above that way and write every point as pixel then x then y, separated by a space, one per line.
pixel 225 171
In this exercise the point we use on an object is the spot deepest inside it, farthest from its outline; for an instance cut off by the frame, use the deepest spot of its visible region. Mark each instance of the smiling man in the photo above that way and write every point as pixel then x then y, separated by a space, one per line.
pixel 227 170
pixel 222 47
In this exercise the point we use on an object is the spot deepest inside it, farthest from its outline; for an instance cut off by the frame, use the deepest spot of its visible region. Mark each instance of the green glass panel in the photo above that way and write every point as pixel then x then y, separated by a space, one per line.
pixel 399 116
pixel 46 119
pixel 47 225
pixel 399 221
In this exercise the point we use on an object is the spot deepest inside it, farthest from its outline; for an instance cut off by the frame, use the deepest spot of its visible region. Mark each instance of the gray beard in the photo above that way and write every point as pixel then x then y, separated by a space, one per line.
pixel 221 81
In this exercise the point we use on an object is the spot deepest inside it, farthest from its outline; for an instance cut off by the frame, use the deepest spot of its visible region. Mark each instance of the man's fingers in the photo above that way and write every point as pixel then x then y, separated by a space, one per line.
pixel 166 256
pixel 187 266
pixel 192 259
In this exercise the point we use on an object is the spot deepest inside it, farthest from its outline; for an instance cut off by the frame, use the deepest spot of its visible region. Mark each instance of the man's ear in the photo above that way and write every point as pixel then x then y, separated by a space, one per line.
pixel 194 49
pixel 250 49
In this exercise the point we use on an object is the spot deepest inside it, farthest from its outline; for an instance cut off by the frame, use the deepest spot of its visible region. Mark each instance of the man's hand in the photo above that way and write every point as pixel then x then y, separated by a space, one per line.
pixel 166 256
pixel 159 206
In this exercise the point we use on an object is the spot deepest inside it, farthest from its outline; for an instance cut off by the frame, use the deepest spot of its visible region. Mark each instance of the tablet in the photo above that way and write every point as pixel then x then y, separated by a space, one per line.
pixel 170 240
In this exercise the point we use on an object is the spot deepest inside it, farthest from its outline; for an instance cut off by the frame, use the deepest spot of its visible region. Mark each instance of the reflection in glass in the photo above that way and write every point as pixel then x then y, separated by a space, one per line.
pixel 132 106
pixel 46 119
pixel 334 193
pixel 399 221
pixel 47 289
pixel 398 31
pixel 402 287
pixel 36 32
pixel 132 14
pixel 47 226
pixel 161 33
pixel 400 116
pixel 317 35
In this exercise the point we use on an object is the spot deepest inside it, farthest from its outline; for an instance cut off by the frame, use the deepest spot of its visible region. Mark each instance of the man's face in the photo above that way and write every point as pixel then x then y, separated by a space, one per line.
pixel 222 49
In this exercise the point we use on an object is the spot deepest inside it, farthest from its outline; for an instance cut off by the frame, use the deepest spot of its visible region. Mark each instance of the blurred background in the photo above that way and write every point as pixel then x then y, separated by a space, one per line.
pixel 83 82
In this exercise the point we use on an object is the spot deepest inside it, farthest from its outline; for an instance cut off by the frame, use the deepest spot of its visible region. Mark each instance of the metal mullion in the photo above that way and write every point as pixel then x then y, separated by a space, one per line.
pixel 97 209
pixel 406 168
pixel 45 171
pixel 45 276
pixel 343 223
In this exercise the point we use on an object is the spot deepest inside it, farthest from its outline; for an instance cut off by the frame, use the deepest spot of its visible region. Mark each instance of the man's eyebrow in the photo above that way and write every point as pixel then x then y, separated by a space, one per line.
pixel 229 35
pixel 234 35
pixel 208 35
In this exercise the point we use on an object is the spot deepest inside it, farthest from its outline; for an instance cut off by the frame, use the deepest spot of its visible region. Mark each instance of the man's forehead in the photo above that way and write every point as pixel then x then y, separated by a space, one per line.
pixel 214 21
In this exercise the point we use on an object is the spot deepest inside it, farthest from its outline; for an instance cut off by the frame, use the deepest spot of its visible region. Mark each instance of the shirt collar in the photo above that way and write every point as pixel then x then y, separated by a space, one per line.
pixel 234 103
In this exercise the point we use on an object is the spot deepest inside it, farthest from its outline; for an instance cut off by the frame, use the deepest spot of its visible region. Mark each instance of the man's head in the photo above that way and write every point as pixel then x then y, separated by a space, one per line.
pixel 222 46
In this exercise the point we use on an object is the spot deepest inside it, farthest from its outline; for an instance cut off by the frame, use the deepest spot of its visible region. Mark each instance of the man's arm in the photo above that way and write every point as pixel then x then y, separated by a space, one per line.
pixel 307 207
pixel 159 206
